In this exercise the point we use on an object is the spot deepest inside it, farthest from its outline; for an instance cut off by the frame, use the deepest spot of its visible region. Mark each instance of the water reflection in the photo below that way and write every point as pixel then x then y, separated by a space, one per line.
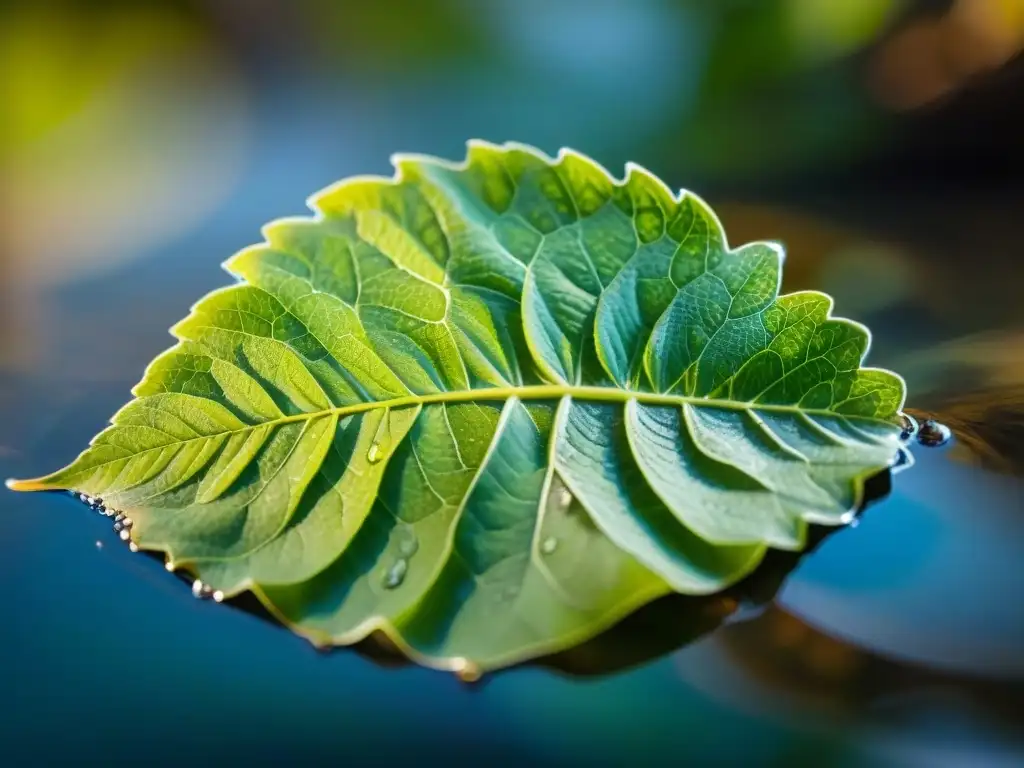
pixel 976 386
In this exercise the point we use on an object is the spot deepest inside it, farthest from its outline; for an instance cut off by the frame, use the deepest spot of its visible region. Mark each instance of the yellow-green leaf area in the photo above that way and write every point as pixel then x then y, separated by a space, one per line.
pixel 491 407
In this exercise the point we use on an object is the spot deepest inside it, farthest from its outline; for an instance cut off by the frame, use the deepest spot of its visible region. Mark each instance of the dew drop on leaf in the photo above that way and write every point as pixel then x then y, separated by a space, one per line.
pixel 375 453
pixel 408 544
pixel 549 545
pixel 933 434
pixel 396 573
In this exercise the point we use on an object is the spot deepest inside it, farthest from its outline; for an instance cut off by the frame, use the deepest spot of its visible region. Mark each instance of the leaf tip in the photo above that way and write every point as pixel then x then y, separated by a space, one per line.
pixel 25 485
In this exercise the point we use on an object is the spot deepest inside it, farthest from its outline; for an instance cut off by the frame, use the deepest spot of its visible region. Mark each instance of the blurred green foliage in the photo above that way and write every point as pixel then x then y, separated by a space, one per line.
pixel 767 87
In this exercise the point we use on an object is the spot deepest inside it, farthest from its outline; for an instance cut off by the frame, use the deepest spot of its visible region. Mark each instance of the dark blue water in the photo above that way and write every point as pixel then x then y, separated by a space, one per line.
pixel 897 642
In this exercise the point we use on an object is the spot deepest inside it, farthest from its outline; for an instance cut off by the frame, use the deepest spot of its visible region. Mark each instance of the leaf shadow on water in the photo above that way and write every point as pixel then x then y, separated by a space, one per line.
pixel 654 631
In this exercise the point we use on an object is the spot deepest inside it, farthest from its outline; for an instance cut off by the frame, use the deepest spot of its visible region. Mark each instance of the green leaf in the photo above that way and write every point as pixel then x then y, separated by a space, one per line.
pixel 491 408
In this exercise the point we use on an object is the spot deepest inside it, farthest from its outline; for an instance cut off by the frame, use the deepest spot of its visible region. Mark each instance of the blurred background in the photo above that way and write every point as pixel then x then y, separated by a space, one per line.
pixel 143 142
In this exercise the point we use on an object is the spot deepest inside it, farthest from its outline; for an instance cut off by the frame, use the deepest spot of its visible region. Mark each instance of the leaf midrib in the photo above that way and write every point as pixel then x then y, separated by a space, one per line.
pixel 532 392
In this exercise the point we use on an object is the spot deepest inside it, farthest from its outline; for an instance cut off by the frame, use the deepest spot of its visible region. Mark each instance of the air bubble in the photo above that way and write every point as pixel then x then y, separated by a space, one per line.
pixel 169 566
pixel 396 573
pixel 375 453
pixel 549 545
pixel 466 670
pixel 125 534
pixel 99 544
pixel 933 434
pixel 218 596
pixel 133 547
pixel 201 591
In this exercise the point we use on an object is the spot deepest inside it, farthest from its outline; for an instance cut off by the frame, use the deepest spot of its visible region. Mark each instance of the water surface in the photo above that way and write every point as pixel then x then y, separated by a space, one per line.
pixel 896 642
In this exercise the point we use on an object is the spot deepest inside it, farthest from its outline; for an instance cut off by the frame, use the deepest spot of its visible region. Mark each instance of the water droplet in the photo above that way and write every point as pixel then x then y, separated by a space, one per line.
pixel 396 573
pixel 933 434
pixel 125 535
pixel 169 566
pixel 117 527
pixel 133 547
pixel 127 523
pixel 218 596
pixel 375 453
pixel 855 522
pixel 466 670
pixel 407 543
pixel 201 591
pixel 909 424
pixel 549 545
pixel 99 545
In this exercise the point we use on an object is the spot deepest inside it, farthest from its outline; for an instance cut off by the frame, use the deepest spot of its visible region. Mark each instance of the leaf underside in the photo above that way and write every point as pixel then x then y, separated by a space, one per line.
pixel 489 408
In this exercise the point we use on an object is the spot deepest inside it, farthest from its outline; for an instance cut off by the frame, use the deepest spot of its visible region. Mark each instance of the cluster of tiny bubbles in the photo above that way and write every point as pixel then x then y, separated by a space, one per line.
pixel 202 591
pixel 123 527
pixel 122 523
